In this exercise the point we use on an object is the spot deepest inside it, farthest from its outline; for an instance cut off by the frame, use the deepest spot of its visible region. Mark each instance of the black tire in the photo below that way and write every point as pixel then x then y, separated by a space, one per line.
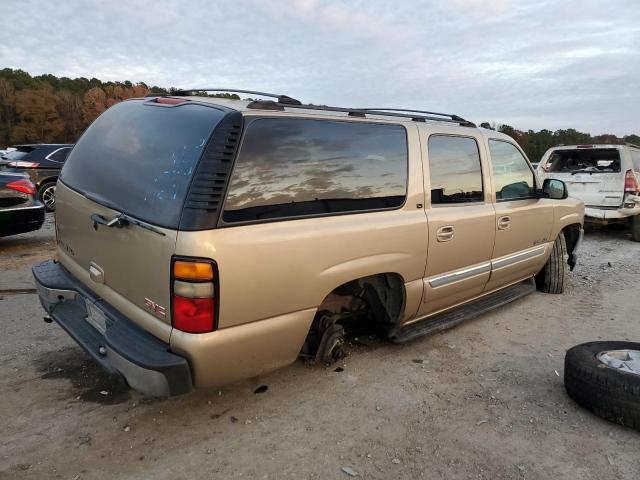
pixel 46 195
pixel 552 277
pixel 635 228
pixel 608 392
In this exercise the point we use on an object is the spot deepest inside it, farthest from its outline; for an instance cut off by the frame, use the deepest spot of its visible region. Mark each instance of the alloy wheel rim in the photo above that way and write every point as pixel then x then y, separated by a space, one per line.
pixel 623 360
pixel 49 197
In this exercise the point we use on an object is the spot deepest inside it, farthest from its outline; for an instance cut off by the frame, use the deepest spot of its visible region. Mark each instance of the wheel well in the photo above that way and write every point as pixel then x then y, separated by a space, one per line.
pixel 383 294
pixel 368 304
pixel 46 180
pixel 571 236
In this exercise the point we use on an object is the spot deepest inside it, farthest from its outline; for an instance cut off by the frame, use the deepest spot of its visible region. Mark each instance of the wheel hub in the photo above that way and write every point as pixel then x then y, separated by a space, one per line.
pixel 49 197
pixel 624 360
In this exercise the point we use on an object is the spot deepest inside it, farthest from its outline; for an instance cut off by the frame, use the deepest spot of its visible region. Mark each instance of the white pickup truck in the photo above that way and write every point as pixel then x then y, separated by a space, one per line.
pixel 605 177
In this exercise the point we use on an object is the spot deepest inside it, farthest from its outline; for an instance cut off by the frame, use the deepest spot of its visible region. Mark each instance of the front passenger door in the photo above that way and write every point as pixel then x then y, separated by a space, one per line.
pixel 523 221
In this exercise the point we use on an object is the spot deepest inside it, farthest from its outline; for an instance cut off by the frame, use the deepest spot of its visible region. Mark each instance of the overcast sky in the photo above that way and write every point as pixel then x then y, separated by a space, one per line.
pixel 530 64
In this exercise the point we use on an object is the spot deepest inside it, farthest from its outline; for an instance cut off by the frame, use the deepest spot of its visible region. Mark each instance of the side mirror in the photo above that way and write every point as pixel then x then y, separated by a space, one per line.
pixel 555 189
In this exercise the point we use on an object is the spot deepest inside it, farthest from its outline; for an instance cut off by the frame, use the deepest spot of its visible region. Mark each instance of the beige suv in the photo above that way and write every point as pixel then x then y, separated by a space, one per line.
pixel 202 240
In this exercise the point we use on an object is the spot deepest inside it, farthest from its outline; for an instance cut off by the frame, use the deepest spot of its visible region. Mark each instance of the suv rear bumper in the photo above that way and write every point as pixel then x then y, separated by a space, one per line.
pixel 111 339
pixel 604 215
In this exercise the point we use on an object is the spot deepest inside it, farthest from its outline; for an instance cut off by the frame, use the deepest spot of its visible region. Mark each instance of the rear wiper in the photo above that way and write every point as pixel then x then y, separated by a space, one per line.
pixel 584 170
pixel 121 220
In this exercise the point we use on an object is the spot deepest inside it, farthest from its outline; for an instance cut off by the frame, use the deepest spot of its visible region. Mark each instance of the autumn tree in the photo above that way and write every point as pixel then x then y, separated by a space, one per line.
pixel 93 104
pixel 7 110
pixel 38 119
pixel 69 106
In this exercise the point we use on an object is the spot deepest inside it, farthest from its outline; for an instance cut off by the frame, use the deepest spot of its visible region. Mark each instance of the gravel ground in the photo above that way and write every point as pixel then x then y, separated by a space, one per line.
pixel 484 400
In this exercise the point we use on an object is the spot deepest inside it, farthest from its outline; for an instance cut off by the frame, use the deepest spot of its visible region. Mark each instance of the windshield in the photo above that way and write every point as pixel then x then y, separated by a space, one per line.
pixel 596 160
pixel 138 158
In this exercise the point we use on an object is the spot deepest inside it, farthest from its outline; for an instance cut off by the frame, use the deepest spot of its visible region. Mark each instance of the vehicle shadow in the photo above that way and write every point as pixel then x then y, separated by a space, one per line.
pixel 614 231
pixel 88 381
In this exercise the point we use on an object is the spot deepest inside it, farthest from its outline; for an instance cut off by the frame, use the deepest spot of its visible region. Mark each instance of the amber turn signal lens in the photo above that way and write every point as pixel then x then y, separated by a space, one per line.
pixel 192 270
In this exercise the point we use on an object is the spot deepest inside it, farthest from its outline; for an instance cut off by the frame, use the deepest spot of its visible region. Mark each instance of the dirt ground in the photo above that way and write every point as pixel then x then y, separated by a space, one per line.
pixel 483 401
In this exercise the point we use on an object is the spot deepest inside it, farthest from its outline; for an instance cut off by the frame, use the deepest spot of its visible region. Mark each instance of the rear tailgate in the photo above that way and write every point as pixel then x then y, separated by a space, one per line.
pixel 127 266
pixel 135 162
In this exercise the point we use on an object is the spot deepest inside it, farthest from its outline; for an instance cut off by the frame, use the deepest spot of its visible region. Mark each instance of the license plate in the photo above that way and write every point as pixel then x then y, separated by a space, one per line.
pixel 95 317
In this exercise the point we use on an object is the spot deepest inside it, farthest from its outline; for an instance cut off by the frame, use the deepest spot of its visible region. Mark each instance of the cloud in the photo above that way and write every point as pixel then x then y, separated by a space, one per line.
pixel 530 64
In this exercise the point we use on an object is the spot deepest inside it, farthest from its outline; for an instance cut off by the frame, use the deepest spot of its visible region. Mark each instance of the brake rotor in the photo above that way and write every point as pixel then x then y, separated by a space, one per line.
pixel 331 347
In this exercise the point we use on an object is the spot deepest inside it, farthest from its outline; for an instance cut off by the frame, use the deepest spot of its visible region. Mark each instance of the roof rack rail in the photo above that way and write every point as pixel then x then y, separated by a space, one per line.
pixel 289 102
pixel 402 113
pixel 457 118
pixel 284 99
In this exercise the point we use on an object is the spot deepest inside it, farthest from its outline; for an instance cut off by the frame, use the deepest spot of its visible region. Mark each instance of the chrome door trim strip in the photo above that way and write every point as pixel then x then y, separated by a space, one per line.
pixel 17 209
pixel 518 257
pixel 448 278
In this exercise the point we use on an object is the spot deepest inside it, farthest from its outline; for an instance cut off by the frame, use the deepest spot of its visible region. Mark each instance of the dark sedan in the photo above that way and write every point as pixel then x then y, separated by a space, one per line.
pixel 20 212
pixel 42 162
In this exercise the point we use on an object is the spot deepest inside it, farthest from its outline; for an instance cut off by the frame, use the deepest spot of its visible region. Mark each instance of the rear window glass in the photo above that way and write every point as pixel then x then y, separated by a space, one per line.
pixel 138 158
pixel 596 160
pixel 59 155
pixel 18 154
pixel 297 167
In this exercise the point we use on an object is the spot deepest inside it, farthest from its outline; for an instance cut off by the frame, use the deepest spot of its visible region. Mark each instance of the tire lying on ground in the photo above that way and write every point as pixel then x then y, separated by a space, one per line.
pixel 604 377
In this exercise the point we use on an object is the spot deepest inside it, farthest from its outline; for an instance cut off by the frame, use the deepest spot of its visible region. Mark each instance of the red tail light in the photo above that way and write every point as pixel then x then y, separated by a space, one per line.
pixel 630 182
pixel 194 290
pixel 193 315
pixel 24 186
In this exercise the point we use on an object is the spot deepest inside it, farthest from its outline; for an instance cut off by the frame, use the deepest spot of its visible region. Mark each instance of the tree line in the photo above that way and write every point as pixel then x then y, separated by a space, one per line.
pixel 49 109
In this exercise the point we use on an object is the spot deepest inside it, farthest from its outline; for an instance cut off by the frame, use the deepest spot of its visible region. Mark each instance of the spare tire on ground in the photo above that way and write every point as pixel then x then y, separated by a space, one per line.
pixel 604 377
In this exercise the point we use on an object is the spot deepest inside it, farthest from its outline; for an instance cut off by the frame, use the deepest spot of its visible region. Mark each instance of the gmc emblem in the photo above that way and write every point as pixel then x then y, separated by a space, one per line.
pixel 154 307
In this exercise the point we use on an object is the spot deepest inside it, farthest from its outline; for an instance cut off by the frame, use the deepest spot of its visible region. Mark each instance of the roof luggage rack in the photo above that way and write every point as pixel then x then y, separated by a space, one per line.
pixel 283 101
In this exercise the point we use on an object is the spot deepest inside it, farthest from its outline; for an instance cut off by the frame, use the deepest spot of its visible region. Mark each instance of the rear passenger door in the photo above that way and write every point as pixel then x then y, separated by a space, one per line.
pixel 461 222
pixel 523 221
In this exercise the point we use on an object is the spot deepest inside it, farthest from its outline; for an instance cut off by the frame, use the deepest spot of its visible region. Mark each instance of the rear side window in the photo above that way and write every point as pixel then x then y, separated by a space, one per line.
pixel 592 160
pixel 296 167
pixel 139 158
pixel 59 155
pixel 512 176
pixel 455 171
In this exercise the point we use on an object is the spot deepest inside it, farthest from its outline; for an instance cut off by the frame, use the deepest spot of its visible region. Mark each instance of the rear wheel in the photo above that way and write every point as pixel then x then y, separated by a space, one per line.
pixel 552 277
pixel 635 228
pixel 47 195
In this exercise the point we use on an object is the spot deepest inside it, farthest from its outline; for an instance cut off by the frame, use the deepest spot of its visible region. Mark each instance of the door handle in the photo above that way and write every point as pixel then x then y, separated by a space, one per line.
pixel 444 234
pixel 504 222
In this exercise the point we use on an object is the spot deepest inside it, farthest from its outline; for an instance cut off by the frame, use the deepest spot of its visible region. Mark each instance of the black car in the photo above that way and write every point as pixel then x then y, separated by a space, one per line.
pixel 42 162
pixel 20 212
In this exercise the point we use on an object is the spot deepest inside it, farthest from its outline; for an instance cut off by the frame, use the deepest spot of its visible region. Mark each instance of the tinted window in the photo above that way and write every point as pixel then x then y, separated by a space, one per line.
pixel 511 173
pixel 454 168
pixel 294 167
pixel 18 154
pixel 139 158
pixel 60 155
